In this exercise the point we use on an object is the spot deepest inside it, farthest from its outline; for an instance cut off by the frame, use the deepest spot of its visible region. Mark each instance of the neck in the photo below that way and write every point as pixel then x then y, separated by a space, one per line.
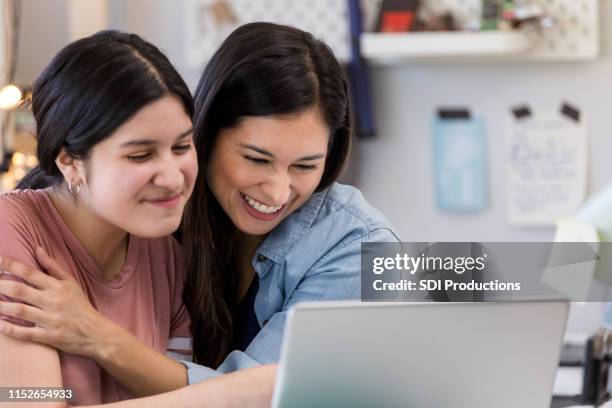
pixel 250 243
pixel 247 246
pixel 106 243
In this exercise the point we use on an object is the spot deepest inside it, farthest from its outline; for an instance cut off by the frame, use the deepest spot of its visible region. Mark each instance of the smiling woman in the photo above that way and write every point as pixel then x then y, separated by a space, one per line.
pixel 268 226
pixel 132 184
pixel 115 147
pixel 258 178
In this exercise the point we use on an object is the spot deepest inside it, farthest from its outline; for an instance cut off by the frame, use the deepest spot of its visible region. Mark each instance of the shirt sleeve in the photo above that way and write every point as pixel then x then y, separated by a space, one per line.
pixel 18 243
pixel 336 276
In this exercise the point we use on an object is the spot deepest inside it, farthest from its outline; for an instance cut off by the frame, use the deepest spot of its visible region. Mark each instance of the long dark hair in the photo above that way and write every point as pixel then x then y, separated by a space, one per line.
pixel 261 69
pixel 89 89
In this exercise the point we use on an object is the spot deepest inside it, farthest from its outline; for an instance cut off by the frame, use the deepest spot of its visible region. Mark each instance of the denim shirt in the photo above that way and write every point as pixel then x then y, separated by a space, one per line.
pixel 312 255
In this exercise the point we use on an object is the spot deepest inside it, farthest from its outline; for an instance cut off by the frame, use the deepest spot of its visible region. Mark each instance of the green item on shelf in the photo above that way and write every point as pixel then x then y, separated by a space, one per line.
pixel 491 14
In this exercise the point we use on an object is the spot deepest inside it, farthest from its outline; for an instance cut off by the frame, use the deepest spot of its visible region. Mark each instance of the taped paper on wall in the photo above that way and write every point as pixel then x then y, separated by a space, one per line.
pixel 459 161
pixel 547 165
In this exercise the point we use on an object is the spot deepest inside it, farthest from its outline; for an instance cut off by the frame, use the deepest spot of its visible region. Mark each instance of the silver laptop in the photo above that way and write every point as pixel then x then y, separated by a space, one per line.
pixel 434 355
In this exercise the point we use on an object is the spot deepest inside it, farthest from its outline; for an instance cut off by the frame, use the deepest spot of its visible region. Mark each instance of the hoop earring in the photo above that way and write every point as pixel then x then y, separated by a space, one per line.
pixel 74 190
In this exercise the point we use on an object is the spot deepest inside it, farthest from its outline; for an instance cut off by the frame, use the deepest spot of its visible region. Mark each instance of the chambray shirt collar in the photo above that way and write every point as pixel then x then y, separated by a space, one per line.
pixel 287 234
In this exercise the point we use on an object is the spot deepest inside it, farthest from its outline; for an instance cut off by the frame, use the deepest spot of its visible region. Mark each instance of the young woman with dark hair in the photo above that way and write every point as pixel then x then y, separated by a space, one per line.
pixel 267 225
pixel 108 210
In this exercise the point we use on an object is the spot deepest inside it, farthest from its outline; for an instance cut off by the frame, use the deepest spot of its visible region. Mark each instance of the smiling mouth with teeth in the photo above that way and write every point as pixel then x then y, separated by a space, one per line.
pixel 262 208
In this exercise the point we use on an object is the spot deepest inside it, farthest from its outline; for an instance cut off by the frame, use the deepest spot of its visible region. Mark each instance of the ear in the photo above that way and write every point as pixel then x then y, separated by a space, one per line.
pixel 71 168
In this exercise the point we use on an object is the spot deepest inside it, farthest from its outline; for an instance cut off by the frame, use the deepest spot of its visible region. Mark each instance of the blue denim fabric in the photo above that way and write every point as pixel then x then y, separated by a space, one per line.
pixel 313 255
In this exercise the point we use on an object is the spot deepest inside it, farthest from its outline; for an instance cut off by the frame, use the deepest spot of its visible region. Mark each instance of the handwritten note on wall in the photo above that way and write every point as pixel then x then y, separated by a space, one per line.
pixel 547 167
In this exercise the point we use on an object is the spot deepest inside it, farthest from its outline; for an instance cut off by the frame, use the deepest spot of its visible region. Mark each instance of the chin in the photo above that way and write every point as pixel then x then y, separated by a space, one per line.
pixel 155 230
pixel 251 229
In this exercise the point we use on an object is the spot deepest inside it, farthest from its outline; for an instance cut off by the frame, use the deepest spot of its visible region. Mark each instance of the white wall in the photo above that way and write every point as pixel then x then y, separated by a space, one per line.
pixel 160 21
pixel 43 32
pixel 395 170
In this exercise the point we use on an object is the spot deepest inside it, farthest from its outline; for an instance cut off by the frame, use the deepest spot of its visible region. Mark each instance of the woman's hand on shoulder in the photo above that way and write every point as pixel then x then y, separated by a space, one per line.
pixel 63 316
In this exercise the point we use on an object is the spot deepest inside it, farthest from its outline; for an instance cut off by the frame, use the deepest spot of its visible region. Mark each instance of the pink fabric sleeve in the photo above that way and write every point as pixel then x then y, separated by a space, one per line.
pixel 180 326
pixel 17 242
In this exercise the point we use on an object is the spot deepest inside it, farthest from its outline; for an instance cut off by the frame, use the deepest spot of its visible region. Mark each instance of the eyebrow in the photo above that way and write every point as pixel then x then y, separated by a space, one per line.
pixel 267 153
pixel 149 142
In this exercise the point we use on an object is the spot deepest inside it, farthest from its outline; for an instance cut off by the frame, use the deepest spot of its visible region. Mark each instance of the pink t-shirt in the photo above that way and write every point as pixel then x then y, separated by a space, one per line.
pixel 145 298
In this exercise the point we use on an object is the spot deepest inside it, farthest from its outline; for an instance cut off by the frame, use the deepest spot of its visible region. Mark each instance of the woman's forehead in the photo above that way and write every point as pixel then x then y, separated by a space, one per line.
pixel 304 127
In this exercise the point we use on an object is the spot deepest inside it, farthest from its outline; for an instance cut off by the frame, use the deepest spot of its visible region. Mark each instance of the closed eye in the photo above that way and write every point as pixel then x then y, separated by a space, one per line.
pixel 257 161
pixel 139 158
pixel 183 148
pixel 305 167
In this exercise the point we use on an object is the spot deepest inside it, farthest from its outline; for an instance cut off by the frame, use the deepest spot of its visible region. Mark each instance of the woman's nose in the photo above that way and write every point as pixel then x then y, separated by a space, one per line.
pixel 277 190
pixel 170 176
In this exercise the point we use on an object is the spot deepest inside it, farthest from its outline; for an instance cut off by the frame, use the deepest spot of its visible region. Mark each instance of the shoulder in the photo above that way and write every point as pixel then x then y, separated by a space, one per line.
pixel 320 245
pixel 20 208
pixel 348 202
pixel 344 215
pixel 21 200
pixel 22 219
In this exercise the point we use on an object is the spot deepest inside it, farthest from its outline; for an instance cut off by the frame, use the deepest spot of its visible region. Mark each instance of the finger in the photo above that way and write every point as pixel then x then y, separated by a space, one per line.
pixel 35 334
pixel 21 292
pixel 23 312
pixel 51 265
pixel 28 274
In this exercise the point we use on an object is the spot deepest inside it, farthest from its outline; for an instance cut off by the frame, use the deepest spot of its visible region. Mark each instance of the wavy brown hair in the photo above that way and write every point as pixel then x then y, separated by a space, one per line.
pixel 261 69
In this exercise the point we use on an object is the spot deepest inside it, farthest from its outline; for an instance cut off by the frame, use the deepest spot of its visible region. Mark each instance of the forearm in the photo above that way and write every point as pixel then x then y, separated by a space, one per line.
pixel 141 369
pixel 71 324
pixel 252 388
pixel 24 365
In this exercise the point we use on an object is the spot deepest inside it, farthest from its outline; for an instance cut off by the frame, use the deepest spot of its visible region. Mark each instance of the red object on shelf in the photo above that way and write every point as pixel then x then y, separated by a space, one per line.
pixel 396 21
